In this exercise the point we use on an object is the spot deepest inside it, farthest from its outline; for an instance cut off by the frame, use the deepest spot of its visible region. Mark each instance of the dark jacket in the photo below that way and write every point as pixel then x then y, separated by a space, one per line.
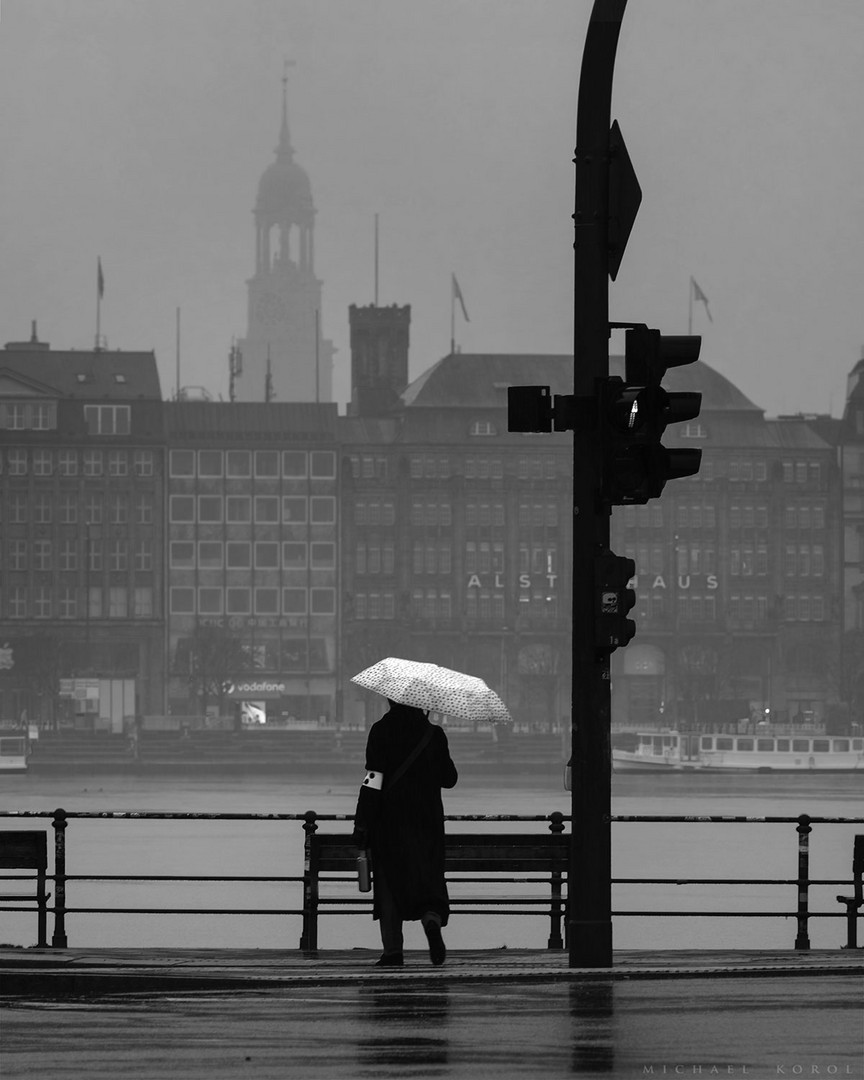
pixel 403 825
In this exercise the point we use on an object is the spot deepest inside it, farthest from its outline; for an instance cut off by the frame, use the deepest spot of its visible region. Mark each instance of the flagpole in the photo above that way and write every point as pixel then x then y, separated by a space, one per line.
pixel 452 318
pixel 98 303
pixel 690 309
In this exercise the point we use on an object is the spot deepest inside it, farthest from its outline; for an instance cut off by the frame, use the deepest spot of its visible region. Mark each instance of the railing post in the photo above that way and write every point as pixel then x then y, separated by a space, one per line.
pixel 58 939
pixel 556 827
pixel 309 933
pixel 802 941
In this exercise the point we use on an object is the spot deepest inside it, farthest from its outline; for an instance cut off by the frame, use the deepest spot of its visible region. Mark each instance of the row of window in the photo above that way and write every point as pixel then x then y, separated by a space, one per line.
pixel 238 509
pixel 702 607
pixel 435 604
pixel 243 554
pixel 42 507
pixel 262 464
pixel 93 555
pixel 21 462
pixel 68 602
pixel 241 600
pixel 795 746
pixel 28 415
pixel 483 467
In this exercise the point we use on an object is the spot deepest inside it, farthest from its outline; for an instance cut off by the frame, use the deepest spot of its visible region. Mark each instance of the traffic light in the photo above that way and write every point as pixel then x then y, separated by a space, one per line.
pixel 636 410
pixel 612 574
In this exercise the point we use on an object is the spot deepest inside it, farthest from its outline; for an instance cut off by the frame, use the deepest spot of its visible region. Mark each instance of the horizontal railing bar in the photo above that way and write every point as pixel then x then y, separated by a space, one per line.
pixel 177 911
pixel 169 877
pixel 737 914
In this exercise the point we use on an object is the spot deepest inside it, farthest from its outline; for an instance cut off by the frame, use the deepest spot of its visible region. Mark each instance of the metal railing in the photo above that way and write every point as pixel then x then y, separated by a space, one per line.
pixel 60 820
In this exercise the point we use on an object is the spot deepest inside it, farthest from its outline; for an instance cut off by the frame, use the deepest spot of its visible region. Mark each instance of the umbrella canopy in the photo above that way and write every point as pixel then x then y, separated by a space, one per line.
pixel 435 689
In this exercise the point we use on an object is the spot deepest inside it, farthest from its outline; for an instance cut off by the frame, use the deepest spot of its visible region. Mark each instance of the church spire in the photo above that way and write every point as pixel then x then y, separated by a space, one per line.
pixel 285 149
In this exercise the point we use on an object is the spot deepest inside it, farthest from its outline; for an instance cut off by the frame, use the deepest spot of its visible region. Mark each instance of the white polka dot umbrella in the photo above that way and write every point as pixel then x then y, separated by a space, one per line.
pixel 434 688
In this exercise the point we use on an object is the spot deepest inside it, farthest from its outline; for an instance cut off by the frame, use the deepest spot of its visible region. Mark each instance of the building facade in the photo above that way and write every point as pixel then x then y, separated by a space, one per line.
pixel 81 574
pixel 252 530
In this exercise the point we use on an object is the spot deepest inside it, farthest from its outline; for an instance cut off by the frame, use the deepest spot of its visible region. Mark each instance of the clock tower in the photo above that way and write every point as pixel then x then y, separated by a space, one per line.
pixel 284 295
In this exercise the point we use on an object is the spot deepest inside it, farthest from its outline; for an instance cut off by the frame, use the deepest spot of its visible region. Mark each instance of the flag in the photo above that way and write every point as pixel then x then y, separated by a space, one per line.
pixel 100 280
pixel 701 297
pixel 457 295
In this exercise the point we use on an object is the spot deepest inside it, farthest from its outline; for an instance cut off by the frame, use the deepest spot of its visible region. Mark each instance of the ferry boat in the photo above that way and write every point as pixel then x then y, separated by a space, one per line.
pixel 676 751
pixel 13 753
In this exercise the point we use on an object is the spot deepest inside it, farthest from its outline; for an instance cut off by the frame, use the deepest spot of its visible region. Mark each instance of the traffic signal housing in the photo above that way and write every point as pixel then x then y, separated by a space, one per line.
pixel 614 599
pixel 636 410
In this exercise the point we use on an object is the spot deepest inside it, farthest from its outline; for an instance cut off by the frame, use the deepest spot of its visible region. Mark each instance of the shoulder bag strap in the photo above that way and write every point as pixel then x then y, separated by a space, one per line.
pixel 412 757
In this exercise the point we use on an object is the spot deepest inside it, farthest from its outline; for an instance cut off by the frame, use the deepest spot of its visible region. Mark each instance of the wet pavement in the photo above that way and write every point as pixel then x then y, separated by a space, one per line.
pixel 163 1014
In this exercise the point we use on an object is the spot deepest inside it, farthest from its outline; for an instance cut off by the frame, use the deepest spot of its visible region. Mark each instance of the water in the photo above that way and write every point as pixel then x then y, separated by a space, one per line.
pixel 703 850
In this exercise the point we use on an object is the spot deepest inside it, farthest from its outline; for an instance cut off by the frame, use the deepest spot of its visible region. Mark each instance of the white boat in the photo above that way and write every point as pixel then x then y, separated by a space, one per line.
pixel 13 753
pixel 667 751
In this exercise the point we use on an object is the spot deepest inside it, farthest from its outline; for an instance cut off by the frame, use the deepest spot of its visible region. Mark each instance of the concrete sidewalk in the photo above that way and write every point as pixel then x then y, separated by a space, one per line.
pixel 58 974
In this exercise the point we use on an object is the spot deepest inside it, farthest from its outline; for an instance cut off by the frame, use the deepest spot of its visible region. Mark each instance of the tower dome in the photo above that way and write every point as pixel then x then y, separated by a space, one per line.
pixel 284 191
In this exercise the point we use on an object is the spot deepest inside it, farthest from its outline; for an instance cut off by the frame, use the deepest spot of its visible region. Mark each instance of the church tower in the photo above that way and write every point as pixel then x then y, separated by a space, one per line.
pixel 284 356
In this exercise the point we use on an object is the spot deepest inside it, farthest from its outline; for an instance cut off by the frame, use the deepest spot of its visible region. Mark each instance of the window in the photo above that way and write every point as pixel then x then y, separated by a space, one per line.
pixel 182 508
pixel 42 602
pixel 293 601
pixel 119 510
pixel 323 556
pixel 44 416
pixel 118 463
pixel 210 554
pixel 210 463
pixel 17 602
pixel 42 509
pixel 267 463
pixel 238 464
pixel 68 555
pixel 68 603
pixel 18 550
pixel 266 555
pixel 118 557
pixel 92 462
pixel 238 601
pixel 67 463
pixel 15 416
pixel 107 419
pixel 94 556
pixel 94 602
pixel 322 509
pixel 209 508
pixel 144 556
pixel 238 509
pixel 118 602
pixel 322 601
pixel 482 427
pixel 293 510
pixel 266 509
pixel 143 462
pixel 293 463
pixel 266 601
pixel 182 601
pixel 294 555
pixel 17 462
pixel 209 601
pixel 42 555
pixel 17 508
pixel 182 555
pixel 43 463
pixel 144 509
pixel 323 464
pixel 143 602
pixel 238 555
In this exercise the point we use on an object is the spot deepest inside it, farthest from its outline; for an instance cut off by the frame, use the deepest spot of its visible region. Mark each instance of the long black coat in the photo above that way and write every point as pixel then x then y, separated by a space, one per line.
pixel 404 825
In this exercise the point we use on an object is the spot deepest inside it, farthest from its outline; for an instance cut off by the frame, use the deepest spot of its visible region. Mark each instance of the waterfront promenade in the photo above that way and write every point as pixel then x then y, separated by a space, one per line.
pixel 277 1014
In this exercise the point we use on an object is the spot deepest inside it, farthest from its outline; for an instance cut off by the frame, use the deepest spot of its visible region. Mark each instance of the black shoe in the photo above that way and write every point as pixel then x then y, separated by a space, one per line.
pixel 437 950
pixel 394 960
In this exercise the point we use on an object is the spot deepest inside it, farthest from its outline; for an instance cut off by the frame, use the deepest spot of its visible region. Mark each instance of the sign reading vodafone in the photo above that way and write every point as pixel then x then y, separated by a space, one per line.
pixel 257 689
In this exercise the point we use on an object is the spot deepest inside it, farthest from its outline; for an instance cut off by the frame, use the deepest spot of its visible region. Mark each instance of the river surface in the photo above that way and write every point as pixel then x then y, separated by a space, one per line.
pixel 640 850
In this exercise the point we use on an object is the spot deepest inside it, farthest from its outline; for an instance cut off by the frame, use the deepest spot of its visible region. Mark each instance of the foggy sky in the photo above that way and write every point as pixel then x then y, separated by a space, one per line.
pixel 138 131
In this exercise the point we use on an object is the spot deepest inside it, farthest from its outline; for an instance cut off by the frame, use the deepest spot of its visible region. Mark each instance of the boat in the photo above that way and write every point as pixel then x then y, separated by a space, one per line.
pixel 679 751
pixel 13 753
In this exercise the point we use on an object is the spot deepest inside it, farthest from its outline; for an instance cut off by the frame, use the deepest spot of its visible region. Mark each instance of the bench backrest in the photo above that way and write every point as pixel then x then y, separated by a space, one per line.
pixel 22 849
pixel 466 853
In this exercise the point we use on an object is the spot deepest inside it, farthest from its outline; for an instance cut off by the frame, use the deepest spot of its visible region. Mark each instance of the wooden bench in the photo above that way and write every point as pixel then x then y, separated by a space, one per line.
pixel 545 857
pixel 27 850
pixel 855 902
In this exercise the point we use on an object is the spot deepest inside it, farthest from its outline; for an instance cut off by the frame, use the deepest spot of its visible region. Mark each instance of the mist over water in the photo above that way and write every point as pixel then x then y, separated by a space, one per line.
pixel 702 850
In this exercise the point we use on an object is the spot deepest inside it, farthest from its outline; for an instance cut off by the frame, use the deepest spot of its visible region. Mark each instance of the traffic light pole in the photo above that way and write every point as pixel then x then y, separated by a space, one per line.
pixel 590 904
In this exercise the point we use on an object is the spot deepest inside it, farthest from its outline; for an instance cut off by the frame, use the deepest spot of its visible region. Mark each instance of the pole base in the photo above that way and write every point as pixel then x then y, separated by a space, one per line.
pixel 590 943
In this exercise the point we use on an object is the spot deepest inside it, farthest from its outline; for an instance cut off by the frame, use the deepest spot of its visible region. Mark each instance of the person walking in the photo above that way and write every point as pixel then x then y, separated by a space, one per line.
pixel 400 820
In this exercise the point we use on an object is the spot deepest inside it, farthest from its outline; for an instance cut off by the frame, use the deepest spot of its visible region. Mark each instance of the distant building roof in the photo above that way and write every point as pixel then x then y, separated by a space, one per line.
pixel 480 380
pixel 88 375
